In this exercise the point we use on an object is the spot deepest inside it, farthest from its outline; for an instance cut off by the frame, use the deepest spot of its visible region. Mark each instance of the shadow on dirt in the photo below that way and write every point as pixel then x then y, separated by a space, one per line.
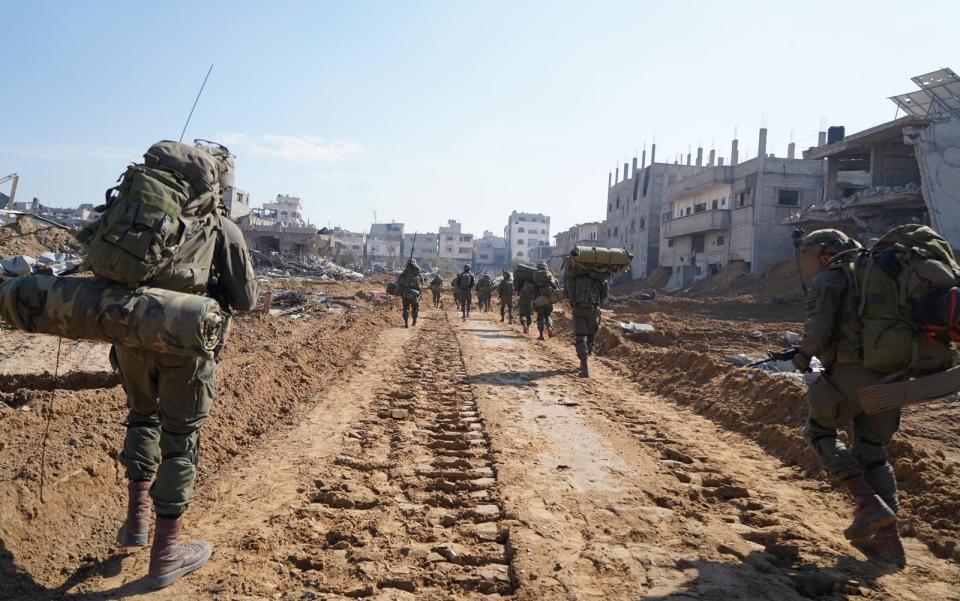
pixel 764 575
pixel 515 378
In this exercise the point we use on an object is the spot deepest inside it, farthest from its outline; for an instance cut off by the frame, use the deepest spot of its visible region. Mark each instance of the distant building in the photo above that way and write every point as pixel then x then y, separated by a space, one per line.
pixel 348 242
pixel 454 244
pixel 427 246
pixel 583 234
pixel 277 226
pixel 525 234
pixel 286 209
pixel 385 245
pixel 490 253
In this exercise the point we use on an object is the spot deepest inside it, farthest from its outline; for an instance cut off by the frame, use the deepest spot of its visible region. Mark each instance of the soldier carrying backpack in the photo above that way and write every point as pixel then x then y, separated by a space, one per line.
pixel 165 226
pixel 864 324
pixel 408 287
pixel 463 286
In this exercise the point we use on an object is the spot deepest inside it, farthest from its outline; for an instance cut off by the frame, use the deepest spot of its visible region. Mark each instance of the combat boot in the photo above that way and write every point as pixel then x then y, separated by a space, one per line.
pixel 414 321
pixel 884 544
pixel 526 328
pixel 541 334
pixel 584 368
pixel 871 512
pixel 170 559
pixel 406 323
pixel 136 529
pixel 549 331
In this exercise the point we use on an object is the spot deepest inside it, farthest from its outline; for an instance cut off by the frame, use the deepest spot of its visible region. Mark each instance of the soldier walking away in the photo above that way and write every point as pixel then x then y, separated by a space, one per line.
pixel 409 284
pixel 833 332
pixel 485 291
pixel 436 286
pixel 505 292
pixel 545 284
pixel 586 290
pixel 463 287
pixel 168 395
pixel 526 291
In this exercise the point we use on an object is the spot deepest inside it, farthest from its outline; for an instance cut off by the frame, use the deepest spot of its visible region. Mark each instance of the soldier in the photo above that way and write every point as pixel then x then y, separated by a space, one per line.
pixel 436 285
pixel 505 292
pixel 463 285
pixel 545 284
pixel 833 333
pixel 409 283
pixel 526 292
pixel 485 291
pixel 586 291
pixel 169 397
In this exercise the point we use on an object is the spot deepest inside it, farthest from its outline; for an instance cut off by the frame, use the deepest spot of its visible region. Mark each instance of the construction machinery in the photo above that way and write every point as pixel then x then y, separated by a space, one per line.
pixel 12 178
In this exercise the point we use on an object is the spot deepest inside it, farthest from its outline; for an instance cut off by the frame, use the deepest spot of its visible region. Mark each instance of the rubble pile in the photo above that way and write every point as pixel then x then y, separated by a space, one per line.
pixel 308 267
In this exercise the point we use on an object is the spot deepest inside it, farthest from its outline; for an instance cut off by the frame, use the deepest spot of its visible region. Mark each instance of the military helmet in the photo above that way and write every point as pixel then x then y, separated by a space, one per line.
pixel 541 265
pixel 224 161
pixel 506 273
pixel 828 241
pixel 413 263
pixel 466 268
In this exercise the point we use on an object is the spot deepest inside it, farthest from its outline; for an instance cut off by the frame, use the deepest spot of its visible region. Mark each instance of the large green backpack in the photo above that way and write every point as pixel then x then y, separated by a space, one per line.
pixel 907 265
pixel 159 225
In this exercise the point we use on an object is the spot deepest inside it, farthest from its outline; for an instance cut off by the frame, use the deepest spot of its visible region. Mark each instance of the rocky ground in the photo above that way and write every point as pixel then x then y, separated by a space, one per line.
pixel 347 457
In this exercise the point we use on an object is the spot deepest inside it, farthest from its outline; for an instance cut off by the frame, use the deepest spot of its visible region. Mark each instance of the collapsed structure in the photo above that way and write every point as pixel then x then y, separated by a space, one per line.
pixel 903 171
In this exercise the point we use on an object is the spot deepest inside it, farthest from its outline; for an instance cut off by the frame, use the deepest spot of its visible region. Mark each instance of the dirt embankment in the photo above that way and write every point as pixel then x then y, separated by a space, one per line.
pixel 27 236
pixel 266 381
pixel 772 410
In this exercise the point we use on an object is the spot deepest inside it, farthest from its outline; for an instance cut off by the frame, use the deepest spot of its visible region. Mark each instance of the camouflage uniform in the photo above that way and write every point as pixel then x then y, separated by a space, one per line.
pixel 436 285
pixel 526 292
pixel 543 313
pixel 833 333
pixel 585 293
pixel 505 292
pixel 410 283
pixel 463 288
pixel 485 292
pixel 169 396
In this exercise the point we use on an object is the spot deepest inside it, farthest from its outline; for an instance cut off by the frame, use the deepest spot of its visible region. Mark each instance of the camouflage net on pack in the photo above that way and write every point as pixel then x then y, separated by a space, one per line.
pixel 97 309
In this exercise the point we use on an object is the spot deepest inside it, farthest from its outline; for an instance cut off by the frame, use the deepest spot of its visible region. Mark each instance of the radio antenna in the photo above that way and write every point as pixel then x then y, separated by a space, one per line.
pixel 195 102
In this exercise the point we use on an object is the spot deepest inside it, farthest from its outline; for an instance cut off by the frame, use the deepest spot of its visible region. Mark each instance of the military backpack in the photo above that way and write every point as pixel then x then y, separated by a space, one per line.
pixel 899 284
pixel 159 226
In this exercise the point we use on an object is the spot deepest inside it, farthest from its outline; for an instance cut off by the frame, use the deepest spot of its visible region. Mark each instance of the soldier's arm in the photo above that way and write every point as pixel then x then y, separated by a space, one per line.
pixel 235 268
pixel 823 306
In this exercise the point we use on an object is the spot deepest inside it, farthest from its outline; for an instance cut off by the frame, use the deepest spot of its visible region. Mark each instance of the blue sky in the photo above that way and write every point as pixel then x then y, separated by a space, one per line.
pixel 426 111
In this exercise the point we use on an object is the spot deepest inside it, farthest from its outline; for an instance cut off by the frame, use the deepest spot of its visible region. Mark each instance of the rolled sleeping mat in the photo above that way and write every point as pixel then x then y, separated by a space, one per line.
pixel 610 260
pixel 546 300
pixel 93 308
pixel 884 397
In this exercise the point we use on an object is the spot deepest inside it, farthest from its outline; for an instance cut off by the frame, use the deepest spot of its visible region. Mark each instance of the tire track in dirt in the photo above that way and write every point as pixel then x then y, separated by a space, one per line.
pixel 410 505
pixel 637 496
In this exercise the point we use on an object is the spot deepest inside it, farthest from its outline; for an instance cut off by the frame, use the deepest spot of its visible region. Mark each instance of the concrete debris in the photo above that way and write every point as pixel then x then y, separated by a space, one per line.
pixel 48 262
pixel 308 267
pixel 791 338
pixel 634 327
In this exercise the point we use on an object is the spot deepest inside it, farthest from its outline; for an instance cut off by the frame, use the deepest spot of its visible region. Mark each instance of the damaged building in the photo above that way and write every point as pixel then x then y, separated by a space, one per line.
pixel 634 206
pixel 280 227
pixel 735 213
pixel 903 171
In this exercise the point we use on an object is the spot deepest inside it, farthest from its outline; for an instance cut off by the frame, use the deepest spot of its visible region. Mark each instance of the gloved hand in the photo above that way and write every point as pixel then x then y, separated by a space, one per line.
pixel 801 361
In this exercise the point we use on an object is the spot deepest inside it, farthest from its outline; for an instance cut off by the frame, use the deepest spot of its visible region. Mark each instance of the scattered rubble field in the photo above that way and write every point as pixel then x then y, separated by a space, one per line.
pixel 347 457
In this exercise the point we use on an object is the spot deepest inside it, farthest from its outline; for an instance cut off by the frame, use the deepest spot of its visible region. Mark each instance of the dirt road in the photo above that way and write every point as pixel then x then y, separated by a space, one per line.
pixel 463 460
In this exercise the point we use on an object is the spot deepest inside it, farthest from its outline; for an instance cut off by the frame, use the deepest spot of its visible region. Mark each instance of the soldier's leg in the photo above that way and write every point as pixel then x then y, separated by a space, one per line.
pixel 406 312
pixel 548 320
pixel 541 322
pixel 415 310
pixel 510 311
pixel 870 435
pixel 593 326
pixel 141 445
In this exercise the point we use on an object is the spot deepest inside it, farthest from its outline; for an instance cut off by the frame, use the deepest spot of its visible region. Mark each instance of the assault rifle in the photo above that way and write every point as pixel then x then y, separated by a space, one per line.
pixel 414 245
pixel 784 355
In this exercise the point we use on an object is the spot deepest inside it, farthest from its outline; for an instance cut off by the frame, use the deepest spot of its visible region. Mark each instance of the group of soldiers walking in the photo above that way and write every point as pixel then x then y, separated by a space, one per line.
pixel 535 291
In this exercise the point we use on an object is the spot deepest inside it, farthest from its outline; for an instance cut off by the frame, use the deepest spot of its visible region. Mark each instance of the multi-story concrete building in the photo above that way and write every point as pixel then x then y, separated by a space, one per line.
pixel 738 212
pixel 634 206
pixel 490 252
pixel 345 242
pixel 287 209
pixel 454 244
pixel 427 246
pixel 525 233
pixel 385 245
pixel 237 202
